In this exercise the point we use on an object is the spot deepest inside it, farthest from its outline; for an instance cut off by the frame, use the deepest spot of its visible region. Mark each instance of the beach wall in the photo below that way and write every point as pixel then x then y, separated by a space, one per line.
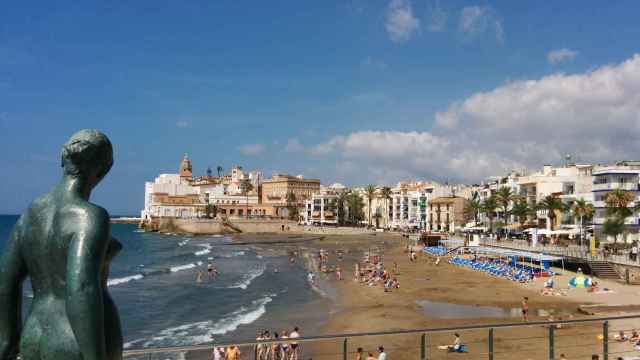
pixel 248 226
pixel 216 226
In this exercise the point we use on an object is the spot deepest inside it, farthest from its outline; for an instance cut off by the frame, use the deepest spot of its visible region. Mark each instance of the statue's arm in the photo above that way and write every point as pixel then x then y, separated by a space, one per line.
pixel 12 272
pixel 85 299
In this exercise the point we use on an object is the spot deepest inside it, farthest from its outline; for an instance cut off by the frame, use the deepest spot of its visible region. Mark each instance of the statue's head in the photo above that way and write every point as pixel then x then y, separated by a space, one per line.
pixel 87 154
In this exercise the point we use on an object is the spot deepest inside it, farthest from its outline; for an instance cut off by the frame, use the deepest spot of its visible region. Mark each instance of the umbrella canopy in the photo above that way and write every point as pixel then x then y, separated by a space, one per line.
pixel 580 282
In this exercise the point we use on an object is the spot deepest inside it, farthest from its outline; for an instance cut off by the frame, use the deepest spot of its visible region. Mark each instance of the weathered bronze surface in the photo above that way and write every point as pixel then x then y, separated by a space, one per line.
pixel 63 244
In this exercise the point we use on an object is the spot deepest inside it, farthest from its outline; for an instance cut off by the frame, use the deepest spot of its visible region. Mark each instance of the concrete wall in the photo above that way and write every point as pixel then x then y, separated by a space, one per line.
pixel 215 226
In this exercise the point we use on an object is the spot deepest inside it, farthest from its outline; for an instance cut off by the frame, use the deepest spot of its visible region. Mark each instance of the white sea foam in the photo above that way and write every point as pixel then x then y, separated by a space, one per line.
pixel 248 278
pixel 203 332
pixel 207 250
pixel 233 254
pixel 185 267
pixel 126 279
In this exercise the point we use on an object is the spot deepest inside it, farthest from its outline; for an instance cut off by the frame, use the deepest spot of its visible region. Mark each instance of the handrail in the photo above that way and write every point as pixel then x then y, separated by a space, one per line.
pixel 175 349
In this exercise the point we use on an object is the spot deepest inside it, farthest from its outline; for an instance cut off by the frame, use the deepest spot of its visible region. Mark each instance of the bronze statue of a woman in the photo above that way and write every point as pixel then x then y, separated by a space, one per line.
pixel 63 243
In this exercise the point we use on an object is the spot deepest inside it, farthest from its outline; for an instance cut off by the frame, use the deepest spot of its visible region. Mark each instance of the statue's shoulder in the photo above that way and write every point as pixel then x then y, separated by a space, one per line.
pixel 89 214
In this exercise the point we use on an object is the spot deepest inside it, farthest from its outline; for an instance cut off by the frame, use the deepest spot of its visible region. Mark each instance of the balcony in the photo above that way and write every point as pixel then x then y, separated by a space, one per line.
pixel 632 220
pixel 630 186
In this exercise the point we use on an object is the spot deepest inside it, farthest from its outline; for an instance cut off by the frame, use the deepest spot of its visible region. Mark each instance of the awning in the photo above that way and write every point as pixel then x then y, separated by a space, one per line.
pixel 517 253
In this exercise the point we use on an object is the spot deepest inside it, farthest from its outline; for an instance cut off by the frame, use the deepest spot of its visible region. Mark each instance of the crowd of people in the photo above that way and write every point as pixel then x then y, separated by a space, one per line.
pixel 278 346
pixel 360 354
pixel 230 353
pixel 373 272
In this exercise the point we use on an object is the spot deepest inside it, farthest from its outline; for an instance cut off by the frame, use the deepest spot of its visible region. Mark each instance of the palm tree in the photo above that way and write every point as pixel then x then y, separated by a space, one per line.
pixel 617 210
pixel 245 187
pixel 356 205
pixel 582 210
pixel 472 208
pixel 504 197
pixel 370 190
pixel 489 206
pixel 552 204
pixel 341 201
pixel 385 193
pixel 521 211
pixel 219 168
pixel 292 207
pixel 617 202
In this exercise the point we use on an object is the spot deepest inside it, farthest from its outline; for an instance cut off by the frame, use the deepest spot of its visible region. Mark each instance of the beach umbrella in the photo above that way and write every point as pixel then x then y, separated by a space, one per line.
pixel 580 282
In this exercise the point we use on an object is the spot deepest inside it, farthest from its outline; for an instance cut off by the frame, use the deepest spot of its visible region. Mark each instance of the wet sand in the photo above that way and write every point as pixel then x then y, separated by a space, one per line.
pixel 360 308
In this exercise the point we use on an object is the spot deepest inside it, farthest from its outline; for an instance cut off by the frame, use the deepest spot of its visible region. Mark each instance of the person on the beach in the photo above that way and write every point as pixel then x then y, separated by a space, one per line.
pixel 199 276
pixel 457 342
pixel 275 347
pixel 284 348
pixel 359 354
pixel 295 349
pixel 382 355
pixel 338 272
pixel 267 347
pixel 525 309
pixel 562 357
pixel 311 278
pixel 370 357
pixel 233 353
pixel 260 347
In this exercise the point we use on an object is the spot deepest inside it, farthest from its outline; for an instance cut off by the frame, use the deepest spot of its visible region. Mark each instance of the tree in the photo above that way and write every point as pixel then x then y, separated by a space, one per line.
pixel 356 208
pixel 582 210
pixel 386 193
pixel 617 210
pixel 341 202
pixel 489 206
pixel 219 168
pixel 472 208
pixel 370 190
pixel 245 187
pixel 292 205
pixel 552 204
pixel 377 216
pixel 504 197
pixel 521 211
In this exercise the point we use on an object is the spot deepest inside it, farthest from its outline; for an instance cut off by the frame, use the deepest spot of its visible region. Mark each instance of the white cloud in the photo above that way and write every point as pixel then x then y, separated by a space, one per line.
pixel 560 55
pixel 475 20
pixel 594 115
pixel 293 145
pixel 183 124
pixel 437 17
pixel 400 22
pixel 251 149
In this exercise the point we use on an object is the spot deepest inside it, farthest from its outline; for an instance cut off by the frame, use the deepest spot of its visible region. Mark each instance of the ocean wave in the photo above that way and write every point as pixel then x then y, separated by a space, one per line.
pixel 122 280
pixel 203 332
pixel 233 254
pixel 207 250
pixel 184 267
pixel 248 278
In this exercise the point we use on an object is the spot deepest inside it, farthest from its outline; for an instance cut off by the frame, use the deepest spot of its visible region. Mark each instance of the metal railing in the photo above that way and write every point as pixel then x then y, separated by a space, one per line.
pixel 423 349
pixel 573 252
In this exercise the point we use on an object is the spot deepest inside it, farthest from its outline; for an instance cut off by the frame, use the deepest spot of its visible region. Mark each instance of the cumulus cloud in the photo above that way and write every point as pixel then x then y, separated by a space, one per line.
pixel 251 149
pixel 522 124
pixel 560 55
pixel 400 22
pixel 437 17
pixel 475 20
pixel 293 145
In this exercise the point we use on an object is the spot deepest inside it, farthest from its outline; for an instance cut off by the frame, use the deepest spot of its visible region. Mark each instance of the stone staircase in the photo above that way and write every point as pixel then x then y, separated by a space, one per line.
pixel 604 270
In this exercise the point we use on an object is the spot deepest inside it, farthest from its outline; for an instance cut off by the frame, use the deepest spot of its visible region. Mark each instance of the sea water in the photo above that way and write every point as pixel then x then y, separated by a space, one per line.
pixel 153 282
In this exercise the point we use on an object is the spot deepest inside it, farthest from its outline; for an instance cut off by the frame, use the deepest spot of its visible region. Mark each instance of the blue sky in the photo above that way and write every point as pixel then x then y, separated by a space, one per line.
pixel 347 91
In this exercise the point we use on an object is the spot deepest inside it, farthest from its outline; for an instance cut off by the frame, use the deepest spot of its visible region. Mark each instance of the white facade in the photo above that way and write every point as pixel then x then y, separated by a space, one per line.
pixel 171 185
pixel 607 179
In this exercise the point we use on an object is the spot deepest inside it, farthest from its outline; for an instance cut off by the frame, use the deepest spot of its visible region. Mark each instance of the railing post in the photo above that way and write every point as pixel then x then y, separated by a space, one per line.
pixel 490 344
pixel 552 345
pixel 423 347
pixel 344 349
pixel 605 340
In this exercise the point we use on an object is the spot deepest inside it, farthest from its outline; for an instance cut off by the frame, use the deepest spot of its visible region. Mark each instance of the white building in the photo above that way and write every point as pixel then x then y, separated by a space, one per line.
pixel 321 208
pixel 606 179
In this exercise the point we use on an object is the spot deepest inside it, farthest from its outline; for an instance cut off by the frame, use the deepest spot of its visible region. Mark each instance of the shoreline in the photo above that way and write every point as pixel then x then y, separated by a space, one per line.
pixel 368 309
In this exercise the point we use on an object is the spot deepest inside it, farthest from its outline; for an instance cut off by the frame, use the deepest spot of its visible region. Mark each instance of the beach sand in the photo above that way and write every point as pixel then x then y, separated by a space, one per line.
pixel 360 308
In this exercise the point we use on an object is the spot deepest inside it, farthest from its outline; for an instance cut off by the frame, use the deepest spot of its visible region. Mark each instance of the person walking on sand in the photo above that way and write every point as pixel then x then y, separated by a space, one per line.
pixel 382 355
pixel 370 357
pixel 359 354
pixel 338 272
pixel 525 309
pixel 295 349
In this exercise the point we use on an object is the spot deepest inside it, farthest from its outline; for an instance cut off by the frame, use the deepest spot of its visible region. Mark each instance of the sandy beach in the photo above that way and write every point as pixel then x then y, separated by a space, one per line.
pixel 465 297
